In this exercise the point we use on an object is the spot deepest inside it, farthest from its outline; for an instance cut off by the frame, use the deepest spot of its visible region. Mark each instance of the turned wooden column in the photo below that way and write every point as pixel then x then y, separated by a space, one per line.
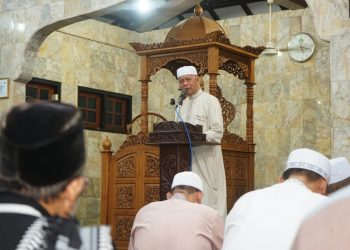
pixel 144 93
pixel 144 106
pixel 213 69
pixel 106 159
pixel 250 113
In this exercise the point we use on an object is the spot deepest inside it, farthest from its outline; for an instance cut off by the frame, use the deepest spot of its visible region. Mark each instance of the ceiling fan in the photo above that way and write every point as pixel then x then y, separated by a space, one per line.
pixel 270 46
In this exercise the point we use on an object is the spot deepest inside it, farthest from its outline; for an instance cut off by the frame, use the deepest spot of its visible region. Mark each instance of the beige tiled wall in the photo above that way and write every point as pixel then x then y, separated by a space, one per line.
pixel 292 100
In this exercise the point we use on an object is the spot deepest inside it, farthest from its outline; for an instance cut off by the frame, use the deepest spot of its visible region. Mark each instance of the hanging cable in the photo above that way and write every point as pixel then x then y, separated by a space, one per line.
pixel 188 137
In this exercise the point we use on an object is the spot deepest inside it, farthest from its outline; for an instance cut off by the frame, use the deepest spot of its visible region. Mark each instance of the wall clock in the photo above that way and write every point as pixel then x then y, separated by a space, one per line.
pixel 301 47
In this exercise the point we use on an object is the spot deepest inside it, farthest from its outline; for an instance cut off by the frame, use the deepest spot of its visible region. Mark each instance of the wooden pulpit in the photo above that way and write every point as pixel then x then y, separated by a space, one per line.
pixel 173 141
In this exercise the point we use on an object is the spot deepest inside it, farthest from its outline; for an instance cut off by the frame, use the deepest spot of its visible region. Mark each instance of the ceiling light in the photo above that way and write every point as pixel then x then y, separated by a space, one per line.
pixel 143 6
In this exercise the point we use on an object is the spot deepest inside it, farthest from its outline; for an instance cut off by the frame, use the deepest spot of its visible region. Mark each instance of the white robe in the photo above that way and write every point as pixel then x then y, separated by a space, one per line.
pixel 204 109
pixel 268 219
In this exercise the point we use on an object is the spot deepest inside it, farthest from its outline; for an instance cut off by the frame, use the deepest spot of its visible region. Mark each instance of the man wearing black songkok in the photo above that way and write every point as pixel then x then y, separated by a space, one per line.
pixel 42 155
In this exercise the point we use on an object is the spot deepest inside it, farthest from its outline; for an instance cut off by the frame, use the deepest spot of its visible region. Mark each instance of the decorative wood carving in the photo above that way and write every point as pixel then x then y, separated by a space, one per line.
pixel 234 64
pixel 152 166
pixel 250 100
pixel 126 167
pixel 125 196
pixel 131 140
pixel 151 193
pixel 216 36
pixel 228 167
pixel 122 227
pixel 239 191
pixel 170 166
pixel 144 106
pixel 228 109
pixel 168 173
pixel 234 68
pixel 200 59
pixel 228 114
pixel 174 132
pixel 240 169
pixel 106 144
pixel 232 138
pixel 255 50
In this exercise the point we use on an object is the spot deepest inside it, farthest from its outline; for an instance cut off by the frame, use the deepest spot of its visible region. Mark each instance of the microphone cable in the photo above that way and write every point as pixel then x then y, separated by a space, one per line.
pixel 188 136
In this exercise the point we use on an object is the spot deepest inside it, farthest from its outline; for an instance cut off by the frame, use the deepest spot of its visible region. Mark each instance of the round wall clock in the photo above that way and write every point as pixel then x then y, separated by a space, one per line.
pixel 301 47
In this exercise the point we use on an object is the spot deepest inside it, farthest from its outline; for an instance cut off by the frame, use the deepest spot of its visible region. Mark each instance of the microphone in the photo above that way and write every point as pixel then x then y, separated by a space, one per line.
pixel 181 97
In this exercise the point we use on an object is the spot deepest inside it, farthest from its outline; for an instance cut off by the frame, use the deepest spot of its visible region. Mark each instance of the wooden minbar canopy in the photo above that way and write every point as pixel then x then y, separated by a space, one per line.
pixel 130 177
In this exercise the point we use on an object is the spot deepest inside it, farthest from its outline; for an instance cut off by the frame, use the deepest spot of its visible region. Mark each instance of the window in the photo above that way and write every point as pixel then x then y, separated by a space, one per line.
pixel 104 111
pixel 42 90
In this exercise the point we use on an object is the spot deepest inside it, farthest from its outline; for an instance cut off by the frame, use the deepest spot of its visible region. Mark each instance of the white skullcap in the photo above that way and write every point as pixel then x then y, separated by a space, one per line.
pixel 311 160
pixel 187 178
pixel 340 170
pixel 186 70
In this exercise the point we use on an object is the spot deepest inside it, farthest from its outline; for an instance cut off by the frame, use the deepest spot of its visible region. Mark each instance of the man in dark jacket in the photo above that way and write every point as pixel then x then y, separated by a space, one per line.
pixel 42 155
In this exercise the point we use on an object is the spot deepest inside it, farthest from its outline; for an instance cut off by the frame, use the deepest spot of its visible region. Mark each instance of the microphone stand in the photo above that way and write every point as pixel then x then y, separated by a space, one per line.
pixel 177 106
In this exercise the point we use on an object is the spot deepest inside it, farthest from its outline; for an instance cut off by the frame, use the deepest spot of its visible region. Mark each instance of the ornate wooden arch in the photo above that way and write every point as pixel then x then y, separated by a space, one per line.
pixel 209 54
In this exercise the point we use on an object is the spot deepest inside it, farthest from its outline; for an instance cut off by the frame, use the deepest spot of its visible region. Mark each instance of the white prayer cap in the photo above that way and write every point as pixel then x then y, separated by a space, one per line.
pixel 187 178
pixel 340 170
pixel 186 70
pixel 311 160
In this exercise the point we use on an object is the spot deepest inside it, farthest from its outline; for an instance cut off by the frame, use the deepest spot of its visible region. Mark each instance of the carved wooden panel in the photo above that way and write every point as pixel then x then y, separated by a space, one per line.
pixel 240 169
pixel 235 69
pixel 151 193
pixel 239 173
pixel 133 182
pixel 199 59
pixel 126 167
pixel 152 166
pixel 239 190
pixel 174 159
pixel 228 164
pixel 230 196
pixel 125 195
pixel 122 227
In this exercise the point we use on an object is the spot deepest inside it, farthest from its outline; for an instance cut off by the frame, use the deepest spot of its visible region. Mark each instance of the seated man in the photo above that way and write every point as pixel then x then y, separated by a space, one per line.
pixel 42 155
pixel 179 223
pixel 268 219
pixel 340 174
pixel 328 226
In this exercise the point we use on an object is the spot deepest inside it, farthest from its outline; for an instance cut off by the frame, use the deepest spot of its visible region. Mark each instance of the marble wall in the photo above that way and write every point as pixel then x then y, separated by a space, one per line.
pixel 332 24
pixel 24 24
pixel 292 100
pixel 95 55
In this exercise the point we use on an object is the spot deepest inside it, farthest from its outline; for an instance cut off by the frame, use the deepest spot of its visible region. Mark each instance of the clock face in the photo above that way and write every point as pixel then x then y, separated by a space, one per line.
pixel 301 47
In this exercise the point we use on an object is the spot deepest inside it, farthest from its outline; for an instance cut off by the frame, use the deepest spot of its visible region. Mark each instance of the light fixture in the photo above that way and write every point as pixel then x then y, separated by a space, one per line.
pixel 270 46
pixel 143 6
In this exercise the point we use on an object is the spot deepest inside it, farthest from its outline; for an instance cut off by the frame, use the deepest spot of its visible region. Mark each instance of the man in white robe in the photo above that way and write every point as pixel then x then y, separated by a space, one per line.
pixel 268 219
pixel 204 109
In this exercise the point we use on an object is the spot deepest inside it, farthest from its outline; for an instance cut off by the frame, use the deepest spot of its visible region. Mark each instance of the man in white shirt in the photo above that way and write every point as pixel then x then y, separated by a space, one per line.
pixel 268 219
pixel 204 109
pixel 328 226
